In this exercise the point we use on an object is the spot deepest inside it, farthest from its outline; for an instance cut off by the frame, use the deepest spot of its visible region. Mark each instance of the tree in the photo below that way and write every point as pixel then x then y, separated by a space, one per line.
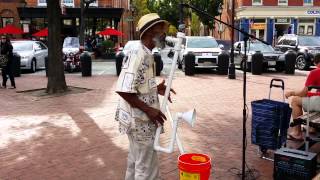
pixel 141 9
pixel 56 79
pixel 195 25
pixel 167 9
pixel 84 7
pixel 211 7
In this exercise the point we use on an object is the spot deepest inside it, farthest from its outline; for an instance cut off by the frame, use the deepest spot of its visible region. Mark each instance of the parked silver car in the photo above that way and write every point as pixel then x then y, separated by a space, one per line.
pixel 270 56
pixel 32 53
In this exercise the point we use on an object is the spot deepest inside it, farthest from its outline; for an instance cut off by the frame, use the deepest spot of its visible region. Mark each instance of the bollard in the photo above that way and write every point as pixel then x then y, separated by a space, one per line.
pixel 257 63
pixel 290 62
pixel 223 63
pixel 119 60
pixel 86 64
pixel 16 65
pixel 189 64
pixel 159 63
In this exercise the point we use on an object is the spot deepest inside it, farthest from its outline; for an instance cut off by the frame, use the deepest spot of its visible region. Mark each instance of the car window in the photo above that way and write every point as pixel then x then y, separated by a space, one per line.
pixel 22 46
pixel 202 43
pixel 280 42
pixel 286 42
pixel 258 46
pixel 43 47
pixel 309 41
pixel 36 46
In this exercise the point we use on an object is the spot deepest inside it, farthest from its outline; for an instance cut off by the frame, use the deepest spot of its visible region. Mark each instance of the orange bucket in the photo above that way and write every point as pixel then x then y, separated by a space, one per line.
pixel 194 166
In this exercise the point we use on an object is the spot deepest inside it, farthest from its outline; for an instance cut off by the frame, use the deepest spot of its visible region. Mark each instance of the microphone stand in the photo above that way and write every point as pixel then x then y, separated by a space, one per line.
pixel 246 38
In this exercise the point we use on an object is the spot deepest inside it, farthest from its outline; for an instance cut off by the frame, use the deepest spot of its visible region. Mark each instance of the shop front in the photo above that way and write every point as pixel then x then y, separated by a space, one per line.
pixel 273 22
pixel 34 18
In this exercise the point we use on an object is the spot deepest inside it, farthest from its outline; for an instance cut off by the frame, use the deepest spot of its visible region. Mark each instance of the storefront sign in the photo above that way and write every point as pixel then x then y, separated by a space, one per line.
pixel 258 26
pixel 282 20
pixel 313 12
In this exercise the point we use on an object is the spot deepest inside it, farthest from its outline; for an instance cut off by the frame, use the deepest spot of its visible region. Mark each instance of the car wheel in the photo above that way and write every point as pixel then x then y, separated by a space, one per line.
pixel 33 66
pixel 301 63
pixel 189 66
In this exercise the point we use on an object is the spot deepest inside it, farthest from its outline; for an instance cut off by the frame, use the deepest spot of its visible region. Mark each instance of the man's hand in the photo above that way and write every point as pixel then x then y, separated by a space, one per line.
pixel 289 94
pixel 162 89
pixel 156 116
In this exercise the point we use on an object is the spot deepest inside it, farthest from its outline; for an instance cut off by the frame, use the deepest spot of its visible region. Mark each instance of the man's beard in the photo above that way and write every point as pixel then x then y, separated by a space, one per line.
pixel 159 41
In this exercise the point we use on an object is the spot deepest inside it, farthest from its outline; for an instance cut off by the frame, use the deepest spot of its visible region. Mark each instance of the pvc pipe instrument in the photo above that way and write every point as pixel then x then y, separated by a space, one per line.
pixel 189 116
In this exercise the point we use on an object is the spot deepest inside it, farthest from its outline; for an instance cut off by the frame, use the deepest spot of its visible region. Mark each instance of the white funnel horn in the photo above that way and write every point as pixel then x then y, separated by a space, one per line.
pixel 189 116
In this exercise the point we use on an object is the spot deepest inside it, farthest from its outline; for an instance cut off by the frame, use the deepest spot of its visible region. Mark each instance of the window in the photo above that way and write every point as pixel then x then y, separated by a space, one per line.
pixel 310 30
pixel 43 47
pixel 283 2
pixel 95 3
pixel 65 2
pixel 6 21
pixel 68 2
pixel 301 29
pixel 307 2
pixel 256 2
pixel 42 2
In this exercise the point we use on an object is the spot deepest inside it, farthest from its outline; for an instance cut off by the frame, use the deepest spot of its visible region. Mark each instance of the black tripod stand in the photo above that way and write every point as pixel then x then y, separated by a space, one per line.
pixel 246 38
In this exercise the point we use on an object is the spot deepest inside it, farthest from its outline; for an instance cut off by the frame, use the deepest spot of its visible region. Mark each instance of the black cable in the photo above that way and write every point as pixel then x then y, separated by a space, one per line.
pixel 250 173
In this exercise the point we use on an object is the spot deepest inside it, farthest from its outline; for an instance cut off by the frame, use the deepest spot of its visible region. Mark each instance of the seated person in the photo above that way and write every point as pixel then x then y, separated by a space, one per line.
pixel 299 100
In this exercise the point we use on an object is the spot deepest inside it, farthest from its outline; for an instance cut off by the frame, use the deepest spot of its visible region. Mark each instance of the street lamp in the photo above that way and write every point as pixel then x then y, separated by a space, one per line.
pixel 220 10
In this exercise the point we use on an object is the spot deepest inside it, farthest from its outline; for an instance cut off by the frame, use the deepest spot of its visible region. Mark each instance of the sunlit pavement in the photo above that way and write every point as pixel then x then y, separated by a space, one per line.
pixel 75 136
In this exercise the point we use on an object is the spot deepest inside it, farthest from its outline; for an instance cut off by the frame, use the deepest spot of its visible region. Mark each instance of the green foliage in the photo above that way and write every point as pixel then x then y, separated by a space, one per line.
pixel 172 31
pixel 141 9
pixel 195 24
pixel 108 46
pixel 210 6
pixel 169 9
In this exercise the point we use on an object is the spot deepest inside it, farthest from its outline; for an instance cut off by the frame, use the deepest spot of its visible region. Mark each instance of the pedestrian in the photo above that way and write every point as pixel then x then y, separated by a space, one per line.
pixel 299 101
pixel 138 110
pixel 6 49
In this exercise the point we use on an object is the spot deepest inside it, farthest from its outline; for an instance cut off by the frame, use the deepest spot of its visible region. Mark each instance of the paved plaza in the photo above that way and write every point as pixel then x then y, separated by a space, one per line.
pixel 76 137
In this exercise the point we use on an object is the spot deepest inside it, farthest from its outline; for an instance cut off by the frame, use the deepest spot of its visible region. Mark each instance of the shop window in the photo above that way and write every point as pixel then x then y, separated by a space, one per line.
pixel 301 29
pixel 5 21
pixel 95 3
pixel 65 2
pixel 256 2
pixel 68 2
pixel 310 30
pixel 283 2
pixel 67 22
pixel 42 2
pixel 307 2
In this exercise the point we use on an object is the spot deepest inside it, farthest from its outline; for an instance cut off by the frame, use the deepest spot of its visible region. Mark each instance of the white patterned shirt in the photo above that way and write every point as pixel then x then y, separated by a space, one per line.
pixel 137 76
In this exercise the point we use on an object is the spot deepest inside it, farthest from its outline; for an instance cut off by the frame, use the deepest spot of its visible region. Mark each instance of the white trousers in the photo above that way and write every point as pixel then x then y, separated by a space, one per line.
pixel 142 161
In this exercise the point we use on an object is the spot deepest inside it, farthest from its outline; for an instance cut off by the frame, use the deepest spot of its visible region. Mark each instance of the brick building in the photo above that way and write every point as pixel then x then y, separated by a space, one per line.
pixel 31 15
pixel 269 19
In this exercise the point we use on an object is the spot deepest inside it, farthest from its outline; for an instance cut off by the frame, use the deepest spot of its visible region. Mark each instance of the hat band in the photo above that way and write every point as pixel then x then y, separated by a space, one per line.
pixel 148 24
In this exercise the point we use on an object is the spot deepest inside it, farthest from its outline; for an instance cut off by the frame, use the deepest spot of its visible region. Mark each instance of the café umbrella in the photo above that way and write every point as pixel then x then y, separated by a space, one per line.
pixel 111 32
pixel 10 29
pixel 41 33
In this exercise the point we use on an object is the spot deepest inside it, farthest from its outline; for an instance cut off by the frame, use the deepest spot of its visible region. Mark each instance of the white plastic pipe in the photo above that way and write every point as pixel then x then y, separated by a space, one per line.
pixel 169 149
pixel 157 147
pixel 180 146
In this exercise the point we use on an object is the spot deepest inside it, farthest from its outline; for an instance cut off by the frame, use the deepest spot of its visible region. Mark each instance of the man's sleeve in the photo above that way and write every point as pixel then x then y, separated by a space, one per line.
pixel 130 73
pixel 310 79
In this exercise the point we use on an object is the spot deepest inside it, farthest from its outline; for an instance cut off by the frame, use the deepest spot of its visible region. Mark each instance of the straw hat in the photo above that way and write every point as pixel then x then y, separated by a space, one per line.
pixel 149 20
